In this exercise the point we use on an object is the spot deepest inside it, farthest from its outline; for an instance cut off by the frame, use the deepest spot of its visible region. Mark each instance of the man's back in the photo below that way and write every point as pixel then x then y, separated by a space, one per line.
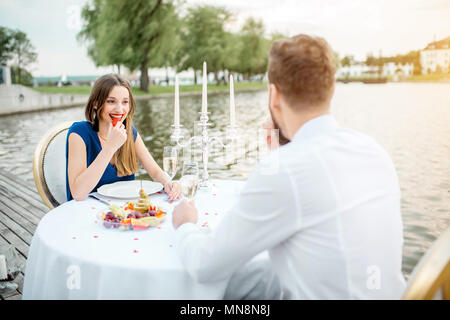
pixel 348 242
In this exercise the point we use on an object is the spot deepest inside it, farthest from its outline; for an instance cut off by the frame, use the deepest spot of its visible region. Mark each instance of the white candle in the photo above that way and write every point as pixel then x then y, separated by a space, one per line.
pixel 176 112
pixel 3 270
pixel 232 106
pixel 204 93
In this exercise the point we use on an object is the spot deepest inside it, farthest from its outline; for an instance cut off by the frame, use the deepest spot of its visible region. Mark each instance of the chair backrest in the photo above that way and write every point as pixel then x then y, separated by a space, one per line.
pixel 49 165
pixel 432 275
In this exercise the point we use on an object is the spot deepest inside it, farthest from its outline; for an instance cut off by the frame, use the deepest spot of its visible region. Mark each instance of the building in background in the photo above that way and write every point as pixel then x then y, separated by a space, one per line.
pixel 5 75
pixel 435 58
pixel 398 71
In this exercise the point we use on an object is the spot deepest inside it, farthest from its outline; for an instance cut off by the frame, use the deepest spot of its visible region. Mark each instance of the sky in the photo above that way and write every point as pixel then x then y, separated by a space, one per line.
pixel 352 27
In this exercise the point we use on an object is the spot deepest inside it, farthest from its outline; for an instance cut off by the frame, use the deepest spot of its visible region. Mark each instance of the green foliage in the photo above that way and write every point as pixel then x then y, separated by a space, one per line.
pixel 204 39
pixel 253 56
pixel 5 45
pixel 21 76
pixel 132 33
pixel 402 59
pixel 16 47
pixel 347 61
pixel 142 34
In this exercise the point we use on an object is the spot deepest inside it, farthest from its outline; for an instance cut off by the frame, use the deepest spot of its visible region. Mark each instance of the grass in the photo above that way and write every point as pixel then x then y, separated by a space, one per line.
pixel 154 90
pixel 414 78
pixel 429 77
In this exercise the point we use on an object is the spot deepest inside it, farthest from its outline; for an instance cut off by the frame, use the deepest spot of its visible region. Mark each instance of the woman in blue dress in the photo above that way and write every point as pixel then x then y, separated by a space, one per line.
pixel 104 149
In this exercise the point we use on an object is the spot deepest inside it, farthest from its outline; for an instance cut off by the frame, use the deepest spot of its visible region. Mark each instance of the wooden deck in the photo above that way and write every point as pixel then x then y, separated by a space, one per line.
pixel 21 209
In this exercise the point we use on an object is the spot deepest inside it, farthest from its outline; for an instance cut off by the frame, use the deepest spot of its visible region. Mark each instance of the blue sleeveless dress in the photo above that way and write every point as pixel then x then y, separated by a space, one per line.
pixel 93 147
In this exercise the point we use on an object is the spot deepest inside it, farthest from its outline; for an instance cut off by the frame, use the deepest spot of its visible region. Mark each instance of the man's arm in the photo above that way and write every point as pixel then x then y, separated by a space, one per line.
pixel 265 215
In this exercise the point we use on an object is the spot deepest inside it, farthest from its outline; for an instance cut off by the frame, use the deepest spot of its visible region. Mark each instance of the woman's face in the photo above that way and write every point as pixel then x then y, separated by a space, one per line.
pixel 117 104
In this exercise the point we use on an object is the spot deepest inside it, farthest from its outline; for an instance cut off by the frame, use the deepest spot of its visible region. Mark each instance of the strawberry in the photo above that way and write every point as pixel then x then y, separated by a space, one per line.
pixel 114 121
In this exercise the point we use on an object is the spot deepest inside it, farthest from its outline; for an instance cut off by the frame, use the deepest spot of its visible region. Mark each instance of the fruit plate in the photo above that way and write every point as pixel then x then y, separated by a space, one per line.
pixel 129 189
pixel 134 220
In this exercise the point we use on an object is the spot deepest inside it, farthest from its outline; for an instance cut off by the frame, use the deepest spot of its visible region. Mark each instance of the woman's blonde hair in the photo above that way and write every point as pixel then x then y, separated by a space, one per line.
pixel 125 157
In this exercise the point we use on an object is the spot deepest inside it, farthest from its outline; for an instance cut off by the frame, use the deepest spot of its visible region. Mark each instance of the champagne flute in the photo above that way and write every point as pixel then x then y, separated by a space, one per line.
pixel 189 180
pixel 170 160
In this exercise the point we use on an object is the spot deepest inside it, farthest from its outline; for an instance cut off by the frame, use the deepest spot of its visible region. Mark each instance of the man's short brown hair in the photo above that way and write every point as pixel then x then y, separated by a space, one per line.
pixel 302 68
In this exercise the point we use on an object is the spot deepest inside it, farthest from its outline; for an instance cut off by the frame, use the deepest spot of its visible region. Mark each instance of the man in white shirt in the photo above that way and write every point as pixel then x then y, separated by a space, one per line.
pixel 330 214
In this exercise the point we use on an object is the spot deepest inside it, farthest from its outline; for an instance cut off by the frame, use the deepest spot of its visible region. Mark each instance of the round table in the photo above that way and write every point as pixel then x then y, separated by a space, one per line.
pixel 72 256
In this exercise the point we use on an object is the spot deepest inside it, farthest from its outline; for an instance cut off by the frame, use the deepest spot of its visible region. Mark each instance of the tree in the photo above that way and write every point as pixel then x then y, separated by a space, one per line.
pixel 25 78
pixel 232 48
pixel 15 47
pixel 23 52
pixel 347 61
pixel 5 45
pixel 204 39
pixel 131 33
pixel 253 56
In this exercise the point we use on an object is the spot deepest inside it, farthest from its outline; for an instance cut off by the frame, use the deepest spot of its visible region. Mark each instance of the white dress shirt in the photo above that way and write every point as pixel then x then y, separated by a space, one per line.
pixel 327 208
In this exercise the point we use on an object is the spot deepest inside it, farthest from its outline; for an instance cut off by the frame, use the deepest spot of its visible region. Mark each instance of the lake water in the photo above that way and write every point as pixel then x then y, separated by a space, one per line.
pixel 410 120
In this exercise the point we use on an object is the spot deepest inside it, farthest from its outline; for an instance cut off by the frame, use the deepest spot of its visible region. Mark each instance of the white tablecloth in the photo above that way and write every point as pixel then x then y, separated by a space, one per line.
pixel 72 256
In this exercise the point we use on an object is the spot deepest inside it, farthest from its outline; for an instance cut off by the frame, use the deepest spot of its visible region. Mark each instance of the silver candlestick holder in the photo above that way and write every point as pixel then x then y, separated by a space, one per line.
pixel 205 142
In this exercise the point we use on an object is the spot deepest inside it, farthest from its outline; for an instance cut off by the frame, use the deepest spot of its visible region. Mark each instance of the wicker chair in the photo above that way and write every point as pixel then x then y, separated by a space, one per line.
pixel 431 277
pixel 49 165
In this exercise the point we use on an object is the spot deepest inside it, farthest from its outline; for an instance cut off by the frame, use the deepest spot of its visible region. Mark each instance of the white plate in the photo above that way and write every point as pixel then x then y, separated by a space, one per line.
pixel 129 189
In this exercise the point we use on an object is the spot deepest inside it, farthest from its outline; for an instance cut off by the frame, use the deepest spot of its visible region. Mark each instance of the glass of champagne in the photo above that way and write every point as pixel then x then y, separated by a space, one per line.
pixel 170 161
pixel 189 180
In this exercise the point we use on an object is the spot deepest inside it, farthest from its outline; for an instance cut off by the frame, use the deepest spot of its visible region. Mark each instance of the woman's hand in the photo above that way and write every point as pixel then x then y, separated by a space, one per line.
pixel 117 137
pixel 173 189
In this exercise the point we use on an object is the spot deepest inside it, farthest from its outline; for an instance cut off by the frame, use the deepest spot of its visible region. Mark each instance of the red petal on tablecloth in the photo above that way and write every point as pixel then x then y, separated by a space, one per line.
pixel 171 201
pixel 95 237
pixel 206 213
pixel 135 239
pixel 214 194
pixel 135 251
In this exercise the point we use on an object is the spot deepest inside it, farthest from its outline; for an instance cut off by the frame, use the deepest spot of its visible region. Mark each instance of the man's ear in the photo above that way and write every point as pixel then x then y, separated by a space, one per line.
pixel 274 96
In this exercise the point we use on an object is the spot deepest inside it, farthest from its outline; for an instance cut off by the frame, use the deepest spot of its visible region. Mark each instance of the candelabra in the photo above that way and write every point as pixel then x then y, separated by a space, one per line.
pixel 205 142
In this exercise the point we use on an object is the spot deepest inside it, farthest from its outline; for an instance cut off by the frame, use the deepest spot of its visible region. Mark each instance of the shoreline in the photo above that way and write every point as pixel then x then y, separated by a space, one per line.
pixel 137 97
pixel 73 99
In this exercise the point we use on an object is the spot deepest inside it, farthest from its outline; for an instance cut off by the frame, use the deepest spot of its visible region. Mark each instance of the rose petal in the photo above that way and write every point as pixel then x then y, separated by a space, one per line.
pixel 135 251
pixel 95 237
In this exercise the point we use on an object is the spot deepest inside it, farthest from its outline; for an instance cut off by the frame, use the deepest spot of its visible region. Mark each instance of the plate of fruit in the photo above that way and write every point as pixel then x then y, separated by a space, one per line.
pixel 139 215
